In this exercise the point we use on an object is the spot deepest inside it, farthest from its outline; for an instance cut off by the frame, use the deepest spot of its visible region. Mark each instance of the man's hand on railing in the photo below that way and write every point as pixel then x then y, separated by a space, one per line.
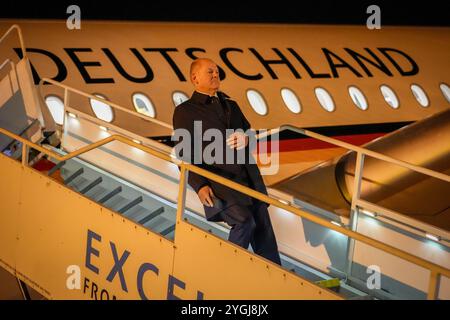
pixel 206 194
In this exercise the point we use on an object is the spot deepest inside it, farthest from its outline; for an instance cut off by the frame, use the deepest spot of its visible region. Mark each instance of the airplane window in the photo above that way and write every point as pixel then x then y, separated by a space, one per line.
pixel 420 95
pixel 56 108
pixel 358 97
pixel 143 105
pixel 389 96
pixel 290 100
pixel 102 110
pixel 257 102
pixel 179 97
pixel 445 91
pixel 324 99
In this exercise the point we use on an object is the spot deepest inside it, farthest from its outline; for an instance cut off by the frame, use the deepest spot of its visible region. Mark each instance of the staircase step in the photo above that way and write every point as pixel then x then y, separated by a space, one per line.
pixel 168 230
pixel 151 215
pixel 110 194
pixel 91 185
pixel 56 167
pixel 74 175
pixel 130 205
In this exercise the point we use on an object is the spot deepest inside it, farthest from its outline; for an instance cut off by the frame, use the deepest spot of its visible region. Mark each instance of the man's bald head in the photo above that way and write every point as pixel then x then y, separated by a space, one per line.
pixel 205 75
pixel 198 63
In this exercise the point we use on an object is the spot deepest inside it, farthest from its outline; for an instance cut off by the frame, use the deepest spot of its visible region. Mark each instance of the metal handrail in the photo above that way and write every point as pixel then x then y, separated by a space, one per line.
pixel 5 63
pixel 19 32
pixel 313 218
pixel 435 270
pixel 119 130
pixel 373 154
pixel 13 68
pixel 356 201
pixel 112 104
pixel 87 148
pixel 342 144
pixel 412 225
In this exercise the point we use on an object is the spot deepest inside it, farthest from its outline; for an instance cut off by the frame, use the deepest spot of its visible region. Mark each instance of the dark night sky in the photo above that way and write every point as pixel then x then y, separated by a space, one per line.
pixel 393 12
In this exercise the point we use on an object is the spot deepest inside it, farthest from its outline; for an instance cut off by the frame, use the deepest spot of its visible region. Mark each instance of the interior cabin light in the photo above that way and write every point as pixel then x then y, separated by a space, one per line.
pixel 103 128
pixel 433 237
pixel 137 141
pixel 369 213
pixel 284 201
pixel 336 223
pixel 72 115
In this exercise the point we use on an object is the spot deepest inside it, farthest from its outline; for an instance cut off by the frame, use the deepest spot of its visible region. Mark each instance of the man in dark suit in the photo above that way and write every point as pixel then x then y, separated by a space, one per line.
pixel 249 218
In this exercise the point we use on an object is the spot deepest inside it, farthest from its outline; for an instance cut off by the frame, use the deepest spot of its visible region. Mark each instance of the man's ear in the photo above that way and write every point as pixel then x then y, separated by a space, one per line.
pixel 193 77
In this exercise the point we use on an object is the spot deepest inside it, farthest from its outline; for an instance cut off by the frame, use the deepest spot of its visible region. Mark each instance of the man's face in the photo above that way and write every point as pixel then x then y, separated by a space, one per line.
pixel 206 78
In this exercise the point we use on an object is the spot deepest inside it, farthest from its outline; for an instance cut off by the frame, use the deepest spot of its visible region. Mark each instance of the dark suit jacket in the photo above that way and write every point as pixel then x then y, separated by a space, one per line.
pixel 248 174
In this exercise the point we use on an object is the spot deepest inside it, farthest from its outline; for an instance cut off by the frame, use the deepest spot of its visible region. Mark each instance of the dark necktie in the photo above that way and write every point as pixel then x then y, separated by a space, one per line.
pixel 212 100
pixel 214 103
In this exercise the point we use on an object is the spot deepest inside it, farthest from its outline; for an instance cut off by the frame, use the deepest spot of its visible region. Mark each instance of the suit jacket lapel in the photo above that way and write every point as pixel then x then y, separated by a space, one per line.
pixel 224 101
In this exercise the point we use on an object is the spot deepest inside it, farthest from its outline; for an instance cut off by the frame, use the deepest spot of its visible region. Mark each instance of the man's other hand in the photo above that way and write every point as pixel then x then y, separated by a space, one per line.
pixel 237 140
pixel 206 194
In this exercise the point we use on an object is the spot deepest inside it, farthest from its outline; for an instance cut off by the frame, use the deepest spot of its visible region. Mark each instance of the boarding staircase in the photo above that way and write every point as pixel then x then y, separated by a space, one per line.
pixel 151 209
pixel 137 204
